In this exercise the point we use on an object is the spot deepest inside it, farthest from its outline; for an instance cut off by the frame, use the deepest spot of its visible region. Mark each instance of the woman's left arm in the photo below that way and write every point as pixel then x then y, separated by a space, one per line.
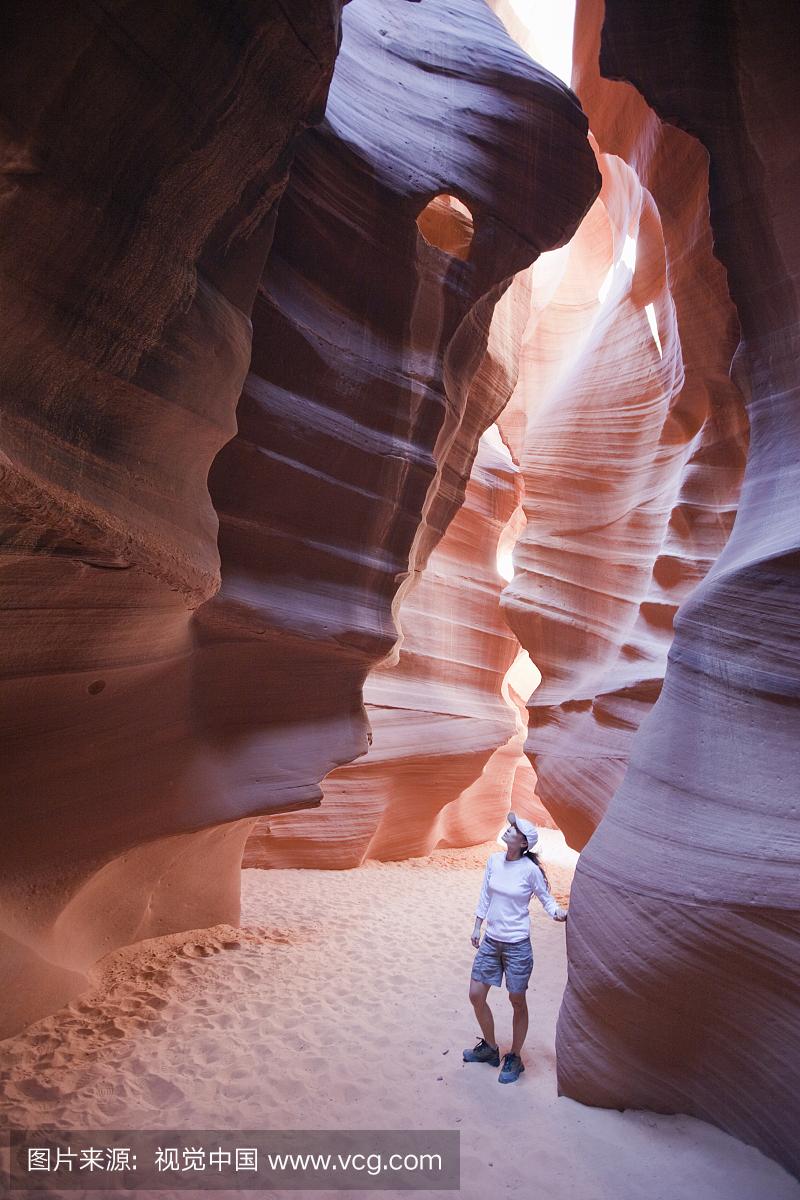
pixel 548 902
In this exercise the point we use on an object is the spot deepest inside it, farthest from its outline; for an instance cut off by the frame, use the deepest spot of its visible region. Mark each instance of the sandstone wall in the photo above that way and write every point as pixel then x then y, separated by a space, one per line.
pixel 685 915
pixel 446 741
pixel 144 155
pixel 632 450
pixel 415 368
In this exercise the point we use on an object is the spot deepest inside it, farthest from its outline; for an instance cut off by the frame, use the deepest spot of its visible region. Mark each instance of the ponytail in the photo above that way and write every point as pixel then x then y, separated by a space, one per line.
pixel 534 857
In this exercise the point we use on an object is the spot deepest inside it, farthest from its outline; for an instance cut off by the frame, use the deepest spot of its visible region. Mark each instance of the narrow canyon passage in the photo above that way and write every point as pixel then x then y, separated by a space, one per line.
pixel 394 434
pixel 342 1004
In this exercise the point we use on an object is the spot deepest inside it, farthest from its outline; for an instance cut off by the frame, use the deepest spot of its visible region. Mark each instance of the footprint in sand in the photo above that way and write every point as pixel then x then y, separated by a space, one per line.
pixel 245 974
pixel 195 950
pixel 31 1089
pixel 162 1091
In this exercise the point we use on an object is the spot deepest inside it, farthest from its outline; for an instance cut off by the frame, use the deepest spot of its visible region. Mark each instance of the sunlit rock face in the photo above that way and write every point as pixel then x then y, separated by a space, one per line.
pixel 371 384
pixel 685 914
pixel 142 158
pixel 632 441
pixel 446 738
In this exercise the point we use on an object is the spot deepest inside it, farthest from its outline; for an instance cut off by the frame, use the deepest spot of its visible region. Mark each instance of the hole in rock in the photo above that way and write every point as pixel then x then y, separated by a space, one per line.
pixel 447 223
pixel 95 688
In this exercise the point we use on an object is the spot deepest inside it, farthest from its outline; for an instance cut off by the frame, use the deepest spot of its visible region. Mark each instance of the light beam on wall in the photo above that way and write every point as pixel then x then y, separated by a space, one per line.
pixel 627 259
pixel 651 316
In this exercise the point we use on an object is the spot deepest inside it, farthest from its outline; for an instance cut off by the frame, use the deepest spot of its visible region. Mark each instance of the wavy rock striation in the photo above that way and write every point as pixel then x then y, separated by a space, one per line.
pixel 685 914
pixel 371 383
pixel 143 156
pixel 445 739
pixel 632 440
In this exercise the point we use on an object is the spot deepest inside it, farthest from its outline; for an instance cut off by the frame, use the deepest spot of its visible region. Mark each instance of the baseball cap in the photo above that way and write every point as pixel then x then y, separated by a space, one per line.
pixel 528 831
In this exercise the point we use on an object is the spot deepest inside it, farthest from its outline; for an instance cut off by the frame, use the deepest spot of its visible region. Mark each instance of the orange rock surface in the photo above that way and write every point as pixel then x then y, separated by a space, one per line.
pixel 446 741
pixel 632 452
pixel 146 720
pixel 685 911
pixel 142 162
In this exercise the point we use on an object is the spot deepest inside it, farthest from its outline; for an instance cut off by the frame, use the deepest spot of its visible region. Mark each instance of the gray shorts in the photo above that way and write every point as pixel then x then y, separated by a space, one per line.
pixel 493 958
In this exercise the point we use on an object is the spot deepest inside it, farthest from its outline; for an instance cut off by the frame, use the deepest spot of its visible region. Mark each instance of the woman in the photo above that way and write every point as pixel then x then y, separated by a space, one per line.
pixel 508 884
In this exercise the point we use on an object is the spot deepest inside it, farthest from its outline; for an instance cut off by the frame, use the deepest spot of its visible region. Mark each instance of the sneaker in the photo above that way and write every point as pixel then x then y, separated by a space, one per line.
pixel 513 1067
pixel 484 1053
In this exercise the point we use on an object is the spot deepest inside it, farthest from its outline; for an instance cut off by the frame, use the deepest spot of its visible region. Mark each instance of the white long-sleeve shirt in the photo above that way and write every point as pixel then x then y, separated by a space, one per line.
pixel 505 896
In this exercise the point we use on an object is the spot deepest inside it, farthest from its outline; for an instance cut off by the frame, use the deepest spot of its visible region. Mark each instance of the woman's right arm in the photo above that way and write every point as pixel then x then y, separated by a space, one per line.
pixel 482 908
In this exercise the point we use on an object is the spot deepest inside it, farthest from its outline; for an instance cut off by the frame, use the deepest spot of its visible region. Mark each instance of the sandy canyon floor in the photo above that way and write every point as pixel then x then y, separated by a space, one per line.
pixel 341 1004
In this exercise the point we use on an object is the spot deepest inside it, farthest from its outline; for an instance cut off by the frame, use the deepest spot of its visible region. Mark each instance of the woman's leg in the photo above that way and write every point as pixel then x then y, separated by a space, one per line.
pixel 477 993
pixel 519 1003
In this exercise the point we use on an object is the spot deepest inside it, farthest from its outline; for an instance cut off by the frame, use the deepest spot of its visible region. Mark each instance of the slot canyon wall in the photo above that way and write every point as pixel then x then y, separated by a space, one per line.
pixel 446 742
pixel 685 912
pixel 632 443
pixel 235 439
pixel 154 701
pixel 368 392
pixel 143 155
